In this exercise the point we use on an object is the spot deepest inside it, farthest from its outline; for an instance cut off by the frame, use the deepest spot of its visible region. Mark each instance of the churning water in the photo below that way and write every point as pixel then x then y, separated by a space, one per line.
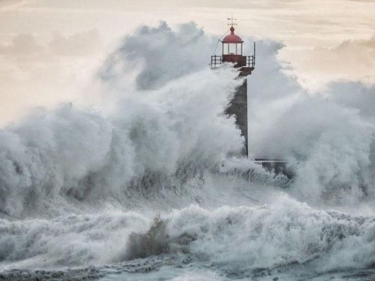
pixel 152 190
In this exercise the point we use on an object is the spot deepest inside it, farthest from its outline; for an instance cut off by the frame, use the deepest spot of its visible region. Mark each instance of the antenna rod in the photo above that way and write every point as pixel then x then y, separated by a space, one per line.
pixel 254 49
pixel 231 19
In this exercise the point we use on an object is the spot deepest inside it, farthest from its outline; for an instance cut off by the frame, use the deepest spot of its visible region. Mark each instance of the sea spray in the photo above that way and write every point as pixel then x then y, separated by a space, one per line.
pixel 82 188
pixel 69 153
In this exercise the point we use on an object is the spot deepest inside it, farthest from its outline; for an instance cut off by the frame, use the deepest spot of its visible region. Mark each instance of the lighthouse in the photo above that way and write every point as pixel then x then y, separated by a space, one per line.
pixel 232 52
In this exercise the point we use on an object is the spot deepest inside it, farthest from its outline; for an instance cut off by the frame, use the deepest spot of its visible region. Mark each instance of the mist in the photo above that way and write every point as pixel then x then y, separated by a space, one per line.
pixel 150 181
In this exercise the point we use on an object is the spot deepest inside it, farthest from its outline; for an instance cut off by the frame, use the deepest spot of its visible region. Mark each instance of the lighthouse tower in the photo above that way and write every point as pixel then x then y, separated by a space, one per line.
pixel 232 52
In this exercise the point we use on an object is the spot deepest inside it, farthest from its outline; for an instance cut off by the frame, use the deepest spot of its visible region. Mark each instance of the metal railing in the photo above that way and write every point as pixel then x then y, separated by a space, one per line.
pixel 250 61
pixel 216 61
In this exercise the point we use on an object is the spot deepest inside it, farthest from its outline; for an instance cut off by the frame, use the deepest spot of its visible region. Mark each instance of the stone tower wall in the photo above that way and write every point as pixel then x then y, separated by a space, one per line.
pixel 238 108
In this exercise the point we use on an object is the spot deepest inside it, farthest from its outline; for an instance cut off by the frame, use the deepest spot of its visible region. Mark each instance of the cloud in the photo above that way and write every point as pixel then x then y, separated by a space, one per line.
pixel 32 74
pixel 351 60
pixel 22 44
pixel 357 48
pixel 9 5
pixel 79 44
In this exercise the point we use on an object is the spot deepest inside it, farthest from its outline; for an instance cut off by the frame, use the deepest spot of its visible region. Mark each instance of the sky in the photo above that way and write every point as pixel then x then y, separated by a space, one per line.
pixel 50 50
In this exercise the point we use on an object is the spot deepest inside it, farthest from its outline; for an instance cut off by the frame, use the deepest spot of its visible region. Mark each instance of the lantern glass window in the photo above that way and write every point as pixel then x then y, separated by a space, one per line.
pixel 232 49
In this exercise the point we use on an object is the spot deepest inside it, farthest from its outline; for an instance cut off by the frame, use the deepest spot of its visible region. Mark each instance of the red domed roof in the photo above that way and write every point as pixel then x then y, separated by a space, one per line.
pixel 232 38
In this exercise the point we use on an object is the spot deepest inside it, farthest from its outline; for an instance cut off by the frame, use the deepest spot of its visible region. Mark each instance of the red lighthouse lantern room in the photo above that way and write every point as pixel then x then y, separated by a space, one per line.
pixel 232 52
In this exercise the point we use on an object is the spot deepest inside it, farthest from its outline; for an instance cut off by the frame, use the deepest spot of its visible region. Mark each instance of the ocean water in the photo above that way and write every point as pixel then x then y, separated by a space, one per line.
pixel 154 188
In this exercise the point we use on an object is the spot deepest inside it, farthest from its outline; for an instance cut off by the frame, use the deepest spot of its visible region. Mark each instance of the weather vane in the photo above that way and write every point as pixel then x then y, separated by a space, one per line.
pixel 231 19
